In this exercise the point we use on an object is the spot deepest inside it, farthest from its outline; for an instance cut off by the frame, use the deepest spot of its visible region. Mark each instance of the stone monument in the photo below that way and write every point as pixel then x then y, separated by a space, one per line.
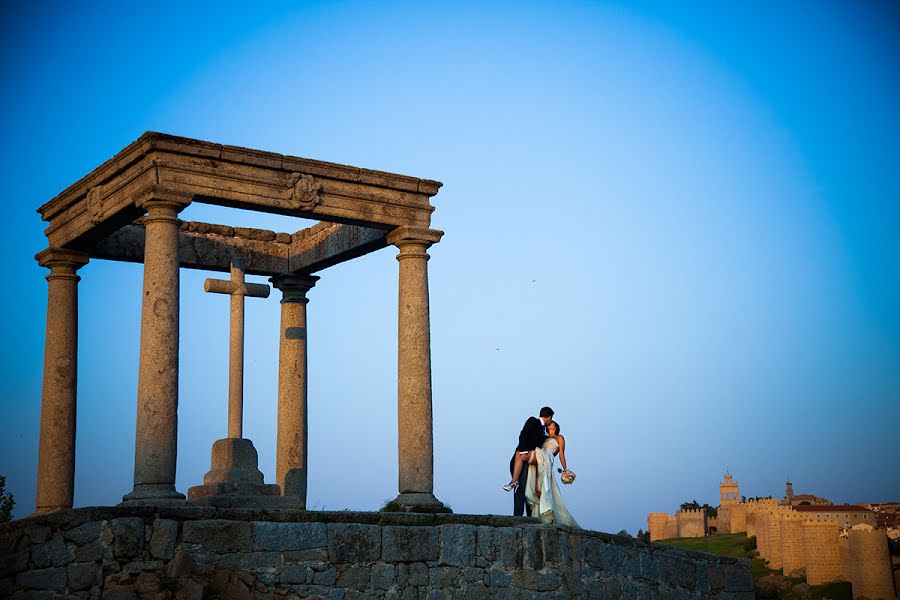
pixel 127 209
pixel 235 478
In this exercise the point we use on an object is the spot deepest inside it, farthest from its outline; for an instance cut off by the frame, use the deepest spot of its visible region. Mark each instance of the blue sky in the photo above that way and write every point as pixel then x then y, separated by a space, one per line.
pixel 677 226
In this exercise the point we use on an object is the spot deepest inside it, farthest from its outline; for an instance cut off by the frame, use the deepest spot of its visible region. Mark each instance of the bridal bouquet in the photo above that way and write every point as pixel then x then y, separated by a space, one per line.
pixel 567 477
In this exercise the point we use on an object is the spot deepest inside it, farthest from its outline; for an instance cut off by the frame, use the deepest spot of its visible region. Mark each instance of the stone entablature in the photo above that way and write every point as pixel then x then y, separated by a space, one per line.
pixel 172 167
pixel 150 552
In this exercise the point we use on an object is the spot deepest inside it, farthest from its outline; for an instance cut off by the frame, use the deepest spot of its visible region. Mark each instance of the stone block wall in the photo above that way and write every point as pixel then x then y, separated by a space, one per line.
pixel 691 522
pixel 751 512
pixel 738 514
pixel 661 526
pixel 844 553
pixel 192 553
pixel 793 560
pixel 773 538
pixel 762 533
pixel 751 525
pixel 724 520
pixel 870 572
pixel 820 547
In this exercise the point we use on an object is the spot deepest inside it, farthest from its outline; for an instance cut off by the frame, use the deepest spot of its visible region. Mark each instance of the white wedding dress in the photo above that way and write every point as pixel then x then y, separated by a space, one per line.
pixel 550 507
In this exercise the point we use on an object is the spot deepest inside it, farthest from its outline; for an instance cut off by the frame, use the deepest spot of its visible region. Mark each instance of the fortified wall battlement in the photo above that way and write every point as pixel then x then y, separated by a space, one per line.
pixel 691 522
pixel 813 545
pixel 662 526
pixel 732 518
pixel 824 544
pixel 752 512
pixel 148 552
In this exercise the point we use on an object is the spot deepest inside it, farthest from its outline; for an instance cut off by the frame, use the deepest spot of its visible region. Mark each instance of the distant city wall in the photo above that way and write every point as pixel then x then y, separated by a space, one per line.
pixel 793 558
pixel 844 552
pixel 691 522
pixel 820 546
pixel 733 518
pixel 798 540
pixel 661 526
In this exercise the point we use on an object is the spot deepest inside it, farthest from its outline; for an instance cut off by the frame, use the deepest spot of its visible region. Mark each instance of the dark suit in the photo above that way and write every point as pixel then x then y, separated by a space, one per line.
pixel 532 436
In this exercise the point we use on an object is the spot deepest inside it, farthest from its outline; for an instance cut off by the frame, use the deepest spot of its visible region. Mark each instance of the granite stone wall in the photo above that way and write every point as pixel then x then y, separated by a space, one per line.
pixel 821 549
pixel 194 553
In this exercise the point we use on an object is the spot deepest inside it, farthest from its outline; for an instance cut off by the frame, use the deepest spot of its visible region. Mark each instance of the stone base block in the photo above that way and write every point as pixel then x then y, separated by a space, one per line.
pixel 234 461
pixel 154 494
pixel 235 481
pixel 416 502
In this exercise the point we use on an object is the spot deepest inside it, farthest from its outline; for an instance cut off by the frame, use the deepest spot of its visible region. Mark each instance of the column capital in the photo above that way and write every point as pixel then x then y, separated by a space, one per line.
pixel 161 203
pixel 409 234
pixel 62 262
pixel 294 287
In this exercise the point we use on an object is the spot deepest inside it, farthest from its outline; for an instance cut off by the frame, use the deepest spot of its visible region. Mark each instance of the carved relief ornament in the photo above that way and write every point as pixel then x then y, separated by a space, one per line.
pixel 306 192
pixel 95 204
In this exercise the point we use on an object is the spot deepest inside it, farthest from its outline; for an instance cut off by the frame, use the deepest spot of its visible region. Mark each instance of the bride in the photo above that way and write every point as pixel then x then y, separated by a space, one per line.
pixel 541 490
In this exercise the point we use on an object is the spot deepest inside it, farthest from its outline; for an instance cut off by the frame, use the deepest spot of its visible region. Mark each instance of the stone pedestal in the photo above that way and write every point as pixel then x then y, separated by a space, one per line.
pixel 235 481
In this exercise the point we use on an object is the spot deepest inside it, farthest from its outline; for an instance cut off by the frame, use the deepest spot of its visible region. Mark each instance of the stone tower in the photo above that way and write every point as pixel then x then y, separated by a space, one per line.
pixel 870 571
pixel 789 493
pixel 728 492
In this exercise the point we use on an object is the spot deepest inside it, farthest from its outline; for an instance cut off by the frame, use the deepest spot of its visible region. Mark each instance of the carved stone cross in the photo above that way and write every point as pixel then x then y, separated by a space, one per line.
pixel 237 289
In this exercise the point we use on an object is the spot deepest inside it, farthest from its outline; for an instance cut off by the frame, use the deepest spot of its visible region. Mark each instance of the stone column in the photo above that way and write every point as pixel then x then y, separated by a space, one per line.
pixel 155 445
pixel 291 454
pixel 56 454
pixel 415 435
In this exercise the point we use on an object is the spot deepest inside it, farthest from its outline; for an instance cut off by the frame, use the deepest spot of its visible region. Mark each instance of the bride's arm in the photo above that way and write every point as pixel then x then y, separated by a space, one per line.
pixel 562 452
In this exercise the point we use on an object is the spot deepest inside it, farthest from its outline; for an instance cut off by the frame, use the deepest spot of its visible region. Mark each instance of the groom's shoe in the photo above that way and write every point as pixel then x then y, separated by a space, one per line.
pixel 510 486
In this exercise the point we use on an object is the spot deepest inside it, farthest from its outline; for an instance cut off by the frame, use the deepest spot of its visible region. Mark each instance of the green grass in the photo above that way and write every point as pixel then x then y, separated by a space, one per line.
pixel 840 590
pixel 724 545
pixel 733 546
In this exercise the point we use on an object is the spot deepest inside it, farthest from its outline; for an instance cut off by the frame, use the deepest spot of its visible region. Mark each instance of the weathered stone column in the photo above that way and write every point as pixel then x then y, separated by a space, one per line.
pixel 56 454
pixel 156 439
pixel 415 435
pixel 291 454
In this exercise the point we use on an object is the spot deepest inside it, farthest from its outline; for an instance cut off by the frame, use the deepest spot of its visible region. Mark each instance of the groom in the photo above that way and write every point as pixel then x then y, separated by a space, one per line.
pixel 532 436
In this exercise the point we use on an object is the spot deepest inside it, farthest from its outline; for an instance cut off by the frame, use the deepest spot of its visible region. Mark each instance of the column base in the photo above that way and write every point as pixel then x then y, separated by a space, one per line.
pixel 44 510
pixel 416 502
pixel 153 494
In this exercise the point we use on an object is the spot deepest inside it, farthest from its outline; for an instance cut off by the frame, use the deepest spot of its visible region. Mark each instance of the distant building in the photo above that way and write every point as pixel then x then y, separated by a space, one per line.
pixel 792 499
pixel 887 514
